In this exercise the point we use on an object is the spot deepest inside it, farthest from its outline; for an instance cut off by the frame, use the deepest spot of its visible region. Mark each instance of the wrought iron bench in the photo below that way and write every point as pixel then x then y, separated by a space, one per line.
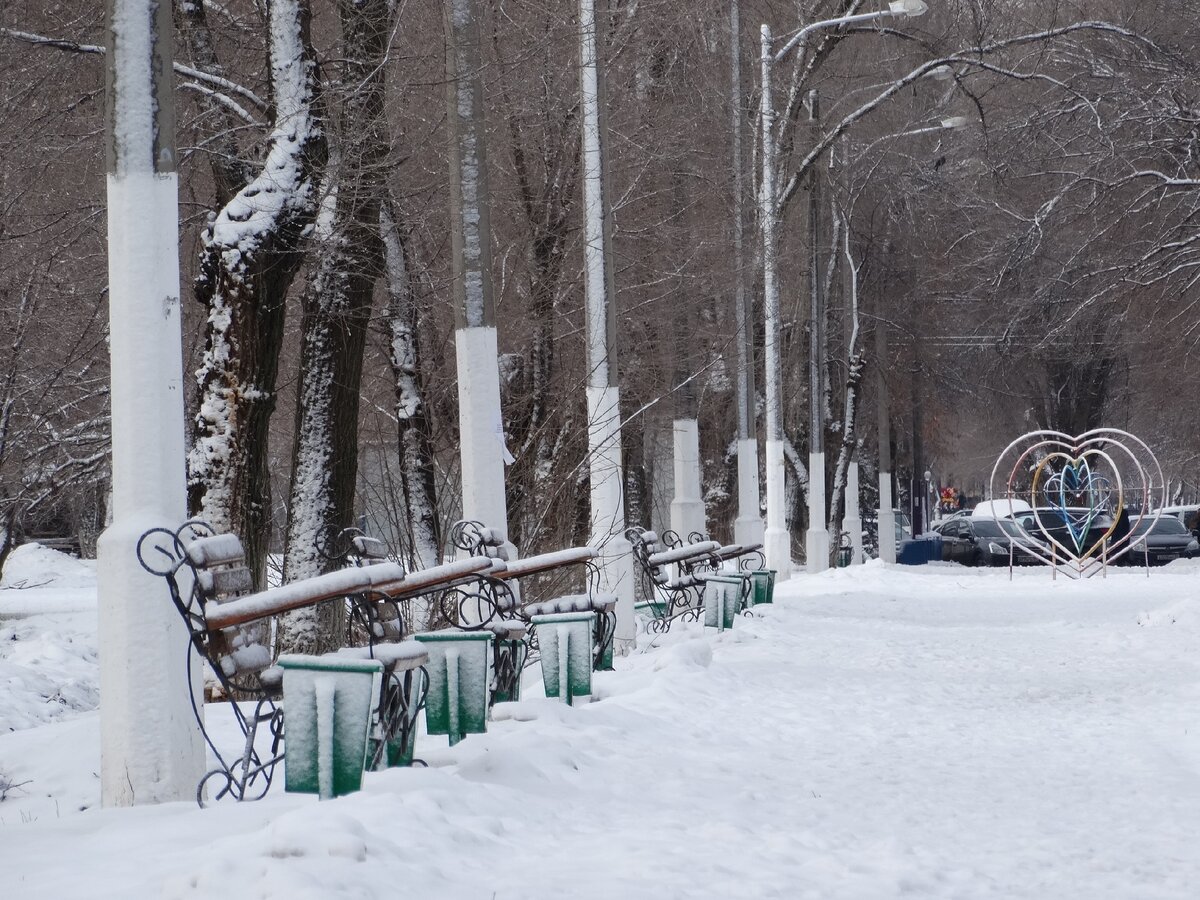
pixel 670 597
pixel 472 537
pixel 748 557
pixel 229 627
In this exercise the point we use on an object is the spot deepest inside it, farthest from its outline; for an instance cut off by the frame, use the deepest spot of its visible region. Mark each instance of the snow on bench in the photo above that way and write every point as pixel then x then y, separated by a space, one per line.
pixel 545 562
pixel 288 597
pixel 686 553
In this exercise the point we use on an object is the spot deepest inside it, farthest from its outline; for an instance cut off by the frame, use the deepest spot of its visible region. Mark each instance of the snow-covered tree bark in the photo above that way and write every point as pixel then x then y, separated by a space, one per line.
pixel 337 307
pixel 414 427
pixel 252 251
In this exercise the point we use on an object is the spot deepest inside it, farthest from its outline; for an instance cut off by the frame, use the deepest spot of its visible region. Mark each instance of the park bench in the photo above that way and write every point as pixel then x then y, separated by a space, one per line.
pixel 474 538
pixel 694 588
pixel 229 626
pixel 748 557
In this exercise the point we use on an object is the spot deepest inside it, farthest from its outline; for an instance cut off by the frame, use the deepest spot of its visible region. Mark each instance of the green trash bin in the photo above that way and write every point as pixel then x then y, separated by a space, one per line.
pixel 328 705
pixel 722 600
pixel 762 586
pixel 460 676
pixel 565 640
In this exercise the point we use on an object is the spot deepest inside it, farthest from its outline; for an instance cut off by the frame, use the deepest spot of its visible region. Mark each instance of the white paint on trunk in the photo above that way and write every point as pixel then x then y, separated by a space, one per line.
pixel 748 528
pixel 608 507
pixel 687 507
pixel 816 539
pixel 481 435
pixel 886 519
pixel 777 543
pixel 151 750
pixel 852 521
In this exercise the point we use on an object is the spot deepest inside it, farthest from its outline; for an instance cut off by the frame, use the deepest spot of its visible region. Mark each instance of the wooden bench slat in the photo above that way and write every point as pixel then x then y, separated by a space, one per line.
pixel 286 597
pixel 369 547
pixel 545 562
pixel 684 553
pixel 423 579
pixel 234 580
pixel 215 550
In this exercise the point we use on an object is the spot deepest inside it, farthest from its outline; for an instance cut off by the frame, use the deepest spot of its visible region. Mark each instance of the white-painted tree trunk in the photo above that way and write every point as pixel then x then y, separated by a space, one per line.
pixel 816 539
pixel 150 743
pixel 606 472
pixel 687 507
pixel 748 526
pixel 887 519
pixel 777 541
pixel 480 421
pixel 852 521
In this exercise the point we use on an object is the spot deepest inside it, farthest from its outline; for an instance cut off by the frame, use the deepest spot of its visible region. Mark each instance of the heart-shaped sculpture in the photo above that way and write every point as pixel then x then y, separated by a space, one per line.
pixel 1077 495
pixel 1072 485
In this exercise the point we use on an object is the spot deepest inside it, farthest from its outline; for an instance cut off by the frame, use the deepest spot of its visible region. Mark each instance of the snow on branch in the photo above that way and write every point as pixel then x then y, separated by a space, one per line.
pixel 215 81
pixel 967 58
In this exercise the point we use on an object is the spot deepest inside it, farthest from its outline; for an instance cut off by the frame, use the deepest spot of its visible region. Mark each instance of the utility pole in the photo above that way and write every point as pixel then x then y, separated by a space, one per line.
pixel 817 538
pixel 748 527
pixel 150 744
pixel 606 472
pixel 481 424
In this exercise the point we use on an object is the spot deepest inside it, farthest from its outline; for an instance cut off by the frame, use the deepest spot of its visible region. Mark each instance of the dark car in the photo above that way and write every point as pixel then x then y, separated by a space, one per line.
pixel 1079 535
pixel 983 542
pixel 1168 539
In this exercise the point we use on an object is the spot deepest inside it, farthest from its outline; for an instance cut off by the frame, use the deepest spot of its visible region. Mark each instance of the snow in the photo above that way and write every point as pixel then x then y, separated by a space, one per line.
pixel 878 732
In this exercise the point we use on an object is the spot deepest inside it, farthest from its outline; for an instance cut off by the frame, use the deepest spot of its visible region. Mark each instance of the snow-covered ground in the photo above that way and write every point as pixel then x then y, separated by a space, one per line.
pixel 880 732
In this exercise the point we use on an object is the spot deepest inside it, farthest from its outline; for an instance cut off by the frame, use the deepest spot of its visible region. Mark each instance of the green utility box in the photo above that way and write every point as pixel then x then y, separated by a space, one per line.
pixel 328 707
pixel 460 676
pixel 565 640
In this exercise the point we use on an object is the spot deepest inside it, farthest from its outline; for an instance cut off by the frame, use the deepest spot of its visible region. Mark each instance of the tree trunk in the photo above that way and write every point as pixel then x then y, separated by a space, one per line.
pixel 337 309
pixel 252 251
pixel 413 420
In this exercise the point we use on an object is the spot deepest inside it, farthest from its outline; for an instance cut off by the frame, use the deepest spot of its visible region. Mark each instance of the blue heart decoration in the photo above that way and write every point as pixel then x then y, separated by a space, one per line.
pixel 1088 489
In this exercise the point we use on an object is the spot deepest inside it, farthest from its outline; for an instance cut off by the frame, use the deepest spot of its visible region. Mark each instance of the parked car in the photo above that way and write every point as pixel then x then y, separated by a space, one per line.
pixel 1167 540
pixel 983 542
pixel 1188 515
pixel 1054 520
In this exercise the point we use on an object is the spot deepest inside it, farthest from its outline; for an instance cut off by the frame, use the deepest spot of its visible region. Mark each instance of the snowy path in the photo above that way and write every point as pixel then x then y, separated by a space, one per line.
pixel 879 733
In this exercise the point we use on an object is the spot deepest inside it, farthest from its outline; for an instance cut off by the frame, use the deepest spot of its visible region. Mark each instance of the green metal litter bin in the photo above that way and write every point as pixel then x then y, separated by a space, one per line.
pixel 762 586
pixel 565 640
pixel 328 705
pixel 460 676
pixel 722 600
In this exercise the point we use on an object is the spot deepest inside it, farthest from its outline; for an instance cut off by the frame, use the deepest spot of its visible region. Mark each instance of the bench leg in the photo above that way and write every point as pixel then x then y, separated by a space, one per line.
pixel 509 656
pixel 401 701
pixel 250 777
pixel 606 629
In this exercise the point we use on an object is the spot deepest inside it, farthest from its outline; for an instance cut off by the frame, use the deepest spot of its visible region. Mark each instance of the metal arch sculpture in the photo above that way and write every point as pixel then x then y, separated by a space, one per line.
pixel 1072 484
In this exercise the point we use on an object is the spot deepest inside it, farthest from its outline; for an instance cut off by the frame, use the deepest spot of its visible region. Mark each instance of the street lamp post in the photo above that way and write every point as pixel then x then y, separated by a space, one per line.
pixel 777 541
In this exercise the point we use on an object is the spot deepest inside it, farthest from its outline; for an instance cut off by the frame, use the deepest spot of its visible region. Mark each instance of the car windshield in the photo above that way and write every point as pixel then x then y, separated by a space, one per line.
pixel 1165 525
pixel 990 528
